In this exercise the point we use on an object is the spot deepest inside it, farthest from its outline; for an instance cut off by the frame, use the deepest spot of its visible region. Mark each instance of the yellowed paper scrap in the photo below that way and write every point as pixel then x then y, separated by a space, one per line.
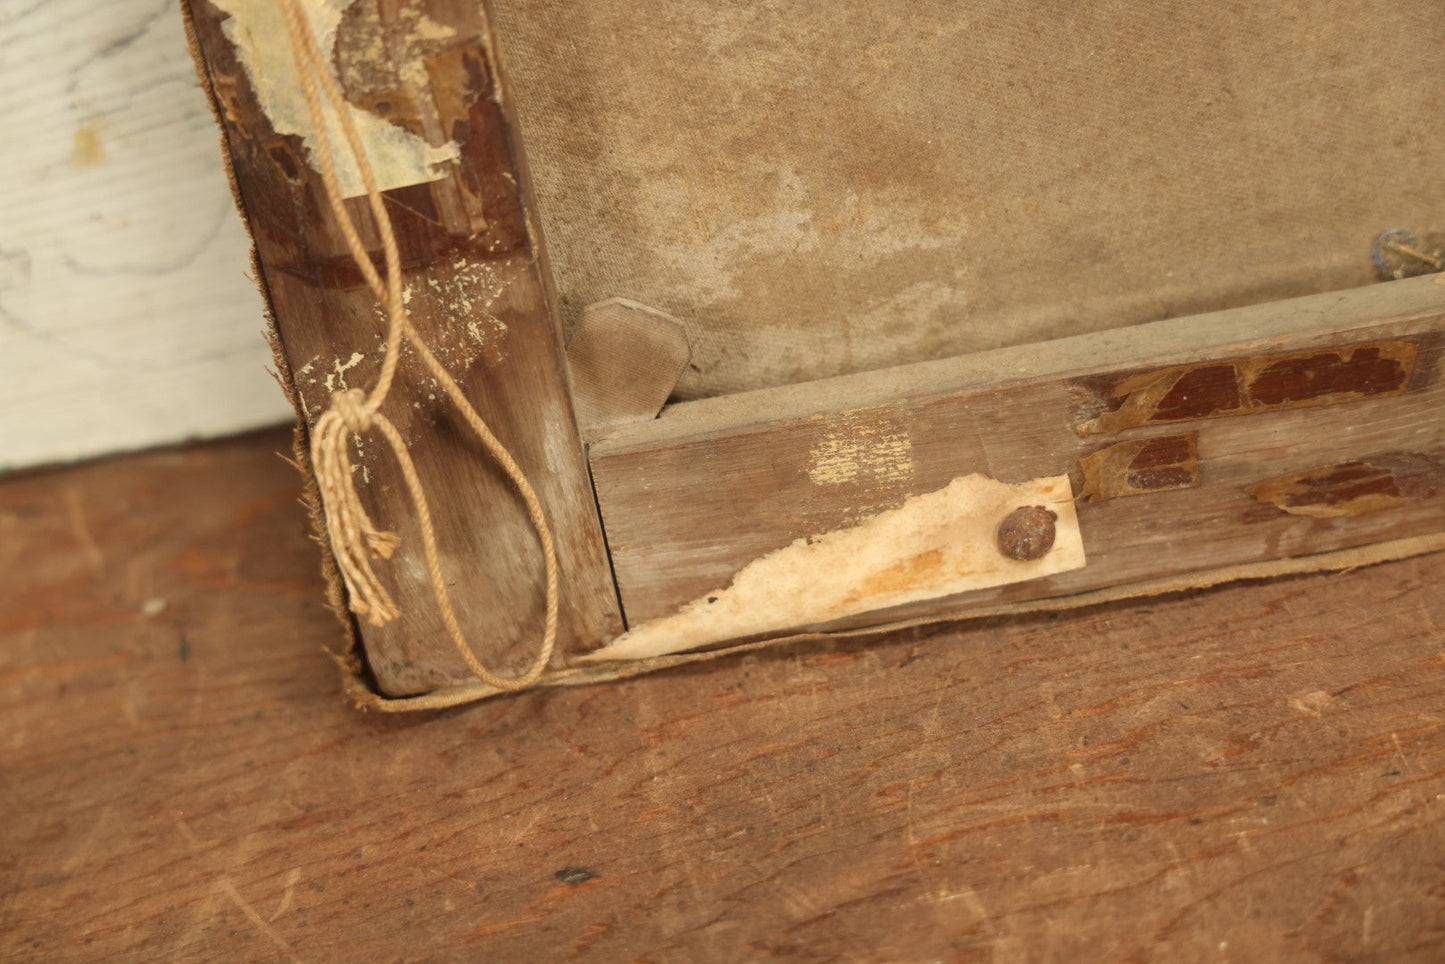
pixel 398 157
pixel 934 545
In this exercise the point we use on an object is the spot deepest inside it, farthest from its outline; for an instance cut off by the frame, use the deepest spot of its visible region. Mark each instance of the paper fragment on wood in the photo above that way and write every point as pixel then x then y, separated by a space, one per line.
pixel 934 545
pixel 1356 487
pixel 398 157
pixel 1141 466
pixel 1248 386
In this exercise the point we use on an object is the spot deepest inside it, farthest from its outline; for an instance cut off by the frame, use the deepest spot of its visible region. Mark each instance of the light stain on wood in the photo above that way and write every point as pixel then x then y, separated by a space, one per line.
pixel 860 448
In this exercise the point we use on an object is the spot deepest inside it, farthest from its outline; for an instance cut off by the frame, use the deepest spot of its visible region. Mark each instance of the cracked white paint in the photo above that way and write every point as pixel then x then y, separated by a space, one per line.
pixel 126 316
pixel 933 546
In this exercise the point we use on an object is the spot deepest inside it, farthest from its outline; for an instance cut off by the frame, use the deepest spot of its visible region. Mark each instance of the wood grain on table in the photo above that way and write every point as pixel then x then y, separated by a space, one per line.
pixel 1251 773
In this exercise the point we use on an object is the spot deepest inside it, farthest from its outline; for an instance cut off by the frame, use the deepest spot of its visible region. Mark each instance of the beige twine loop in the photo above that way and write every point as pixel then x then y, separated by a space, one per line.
pixel 353 413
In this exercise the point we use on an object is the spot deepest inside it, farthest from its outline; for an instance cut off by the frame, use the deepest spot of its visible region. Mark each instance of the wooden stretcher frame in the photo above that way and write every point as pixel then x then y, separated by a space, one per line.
pixel 1275 438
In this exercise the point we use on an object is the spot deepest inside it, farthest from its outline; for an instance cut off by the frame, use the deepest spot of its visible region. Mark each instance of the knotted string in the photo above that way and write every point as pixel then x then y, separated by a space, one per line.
pixel 354 538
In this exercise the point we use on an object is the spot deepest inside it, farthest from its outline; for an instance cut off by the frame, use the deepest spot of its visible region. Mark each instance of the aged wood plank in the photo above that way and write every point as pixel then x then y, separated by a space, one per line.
pixel 419 76
pixel 126 317
pixel 1263 392
pixel 1261 767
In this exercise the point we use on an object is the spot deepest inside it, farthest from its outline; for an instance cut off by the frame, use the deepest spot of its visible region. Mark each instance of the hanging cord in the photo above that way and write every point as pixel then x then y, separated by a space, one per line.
pixel 353 412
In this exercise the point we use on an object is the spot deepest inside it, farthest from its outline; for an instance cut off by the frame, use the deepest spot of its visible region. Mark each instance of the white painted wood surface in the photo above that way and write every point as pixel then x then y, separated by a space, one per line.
pixel 127 317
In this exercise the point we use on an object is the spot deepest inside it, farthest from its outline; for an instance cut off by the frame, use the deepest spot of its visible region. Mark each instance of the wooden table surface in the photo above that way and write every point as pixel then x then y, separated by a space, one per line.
pixel 1252 773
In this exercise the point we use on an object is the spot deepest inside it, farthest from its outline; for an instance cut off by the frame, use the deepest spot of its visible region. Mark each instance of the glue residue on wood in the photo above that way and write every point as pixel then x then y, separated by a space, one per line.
pixel 934 545
pixel 398 157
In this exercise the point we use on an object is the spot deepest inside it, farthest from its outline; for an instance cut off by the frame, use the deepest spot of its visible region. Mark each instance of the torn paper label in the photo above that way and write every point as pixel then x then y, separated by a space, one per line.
pixel 398 157
pixel 934 545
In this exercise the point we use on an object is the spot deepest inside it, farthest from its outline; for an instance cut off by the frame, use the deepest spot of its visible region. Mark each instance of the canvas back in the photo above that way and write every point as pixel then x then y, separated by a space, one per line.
pixel 820 188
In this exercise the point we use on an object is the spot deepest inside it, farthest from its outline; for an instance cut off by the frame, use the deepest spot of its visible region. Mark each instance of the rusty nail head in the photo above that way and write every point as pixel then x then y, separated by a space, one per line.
pixel 1027 533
